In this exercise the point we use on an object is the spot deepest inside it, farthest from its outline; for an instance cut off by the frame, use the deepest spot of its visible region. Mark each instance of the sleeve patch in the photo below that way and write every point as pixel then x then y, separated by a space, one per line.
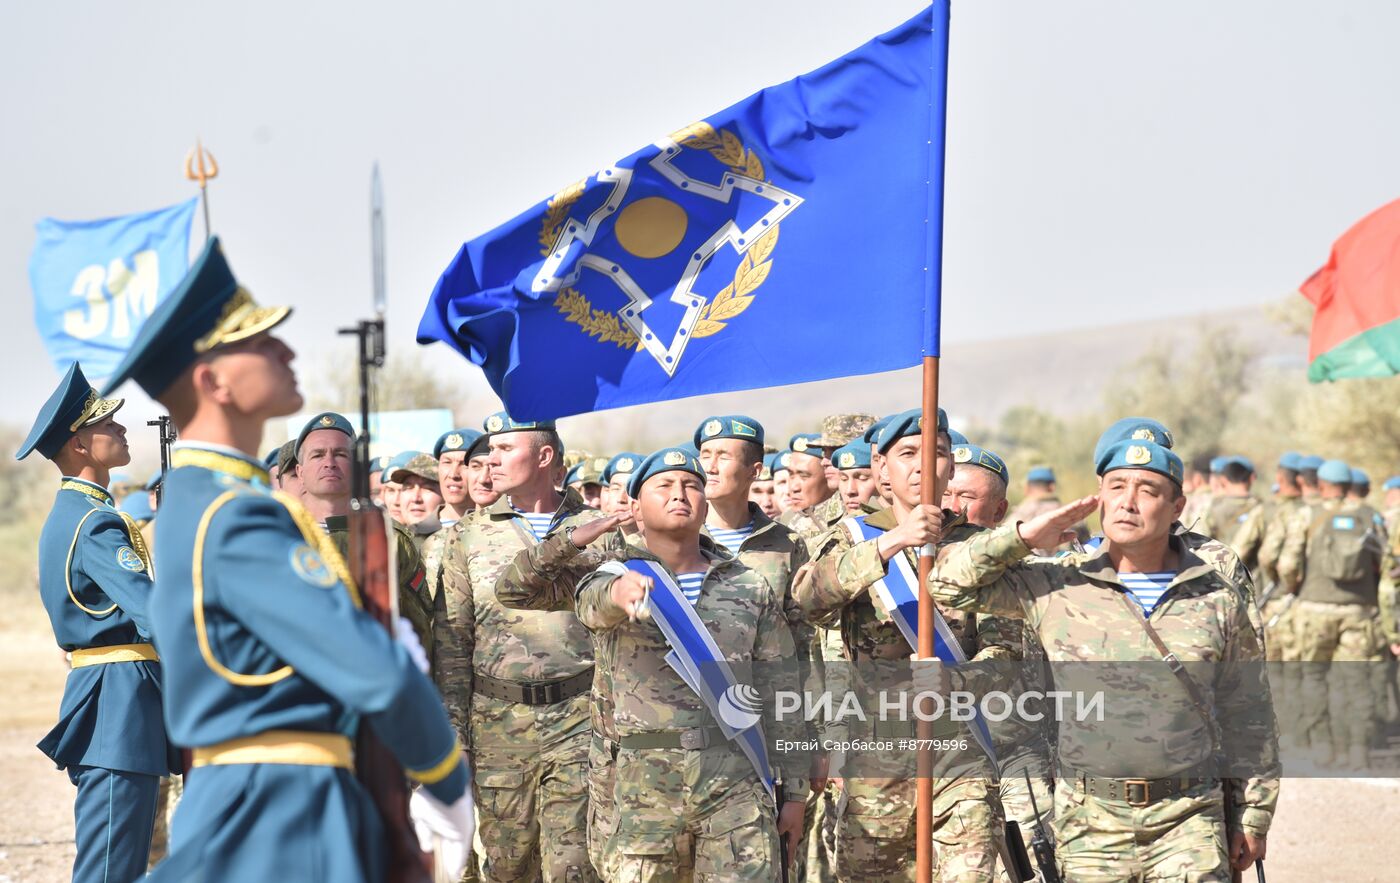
pixel 127 559
pixel 311 567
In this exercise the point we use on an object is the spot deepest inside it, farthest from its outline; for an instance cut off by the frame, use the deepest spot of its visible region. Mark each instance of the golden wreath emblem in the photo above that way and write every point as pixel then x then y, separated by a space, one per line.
pixel 626 464
pixel 494 423
pixel 962 455
pixel 726 305
pixel 453 441
pixel 713 428
pixel 673 458
pixel 1137 455
pixel 847 461
pixel 1144 434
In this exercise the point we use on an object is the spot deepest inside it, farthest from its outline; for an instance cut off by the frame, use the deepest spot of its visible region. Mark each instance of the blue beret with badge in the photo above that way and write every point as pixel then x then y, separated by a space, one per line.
pixel 665 460
pixel 1141 454
pixel 872 434
pixel 325 420
pixel 805 443
pixel 72 405
pixel 208 309
pixel 905 424
pixel 501 421
pixel 1291 460
pixel 775 463
pixel 624 463
pixel 729 426
pixel 972 455
pixel 270 458
pixel 1041 474
pixel 457 440
pixel 958 438
pixel 1359 476
pixel 1135 429
pixel 1310 463
pixel 1334 472
pixel 855 455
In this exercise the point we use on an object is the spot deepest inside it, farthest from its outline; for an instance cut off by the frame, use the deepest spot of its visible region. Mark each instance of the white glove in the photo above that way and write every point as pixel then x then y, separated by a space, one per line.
pixel 405 635
pixel 446 831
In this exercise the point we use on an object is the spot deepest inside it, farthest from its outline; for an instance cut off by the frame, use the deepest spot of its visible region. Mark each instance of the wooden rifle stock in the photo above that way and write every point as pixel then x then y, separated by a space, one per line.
pixel 376 768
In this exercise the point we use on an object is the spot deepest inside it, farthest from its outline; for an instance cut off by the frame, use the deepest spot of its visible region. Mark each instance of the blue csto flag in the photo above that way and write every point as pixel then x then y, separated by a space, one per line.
pixel 782 240
pixel 96 282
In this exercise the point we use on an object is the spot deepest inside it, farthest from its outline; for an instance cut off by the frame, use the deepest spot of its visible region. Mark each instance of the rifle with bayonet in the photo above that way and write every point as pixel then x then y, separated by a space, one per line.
pixel 372 567
pixel 168 435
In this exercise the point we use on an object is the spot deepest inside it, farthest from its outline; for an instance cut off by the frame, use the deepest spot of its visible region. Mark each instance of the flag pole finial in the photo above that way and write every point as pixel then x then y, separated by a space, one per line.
pixel 201 167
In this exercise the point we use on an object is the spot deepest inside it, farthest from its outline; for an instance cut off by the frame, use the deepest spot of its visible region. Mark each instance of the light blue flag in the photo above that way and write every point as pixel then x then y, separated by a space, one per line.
pixel 792 237
pixel 96 282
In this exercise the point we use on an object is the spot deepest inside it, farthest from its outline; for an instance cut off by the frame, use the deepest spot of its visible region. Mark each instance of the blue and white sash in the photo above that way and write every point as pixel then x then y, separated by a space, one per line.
pixel 697 659
pixel 896 592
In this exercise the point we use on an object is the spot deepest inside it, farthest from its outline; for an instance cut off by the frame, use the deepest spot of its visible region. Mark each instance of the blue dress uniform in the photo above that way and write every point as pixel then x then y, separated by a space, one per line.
pixel 95 582
pixel 271 662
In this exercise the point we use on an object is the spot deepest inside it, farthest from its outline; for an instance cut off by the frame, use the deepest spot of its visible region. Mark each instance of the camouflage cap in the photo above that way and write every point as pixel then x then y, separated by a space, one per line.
pixel 399 459
pixel 574 456
pixel 421 465
pixel 842 429
pixel 286 456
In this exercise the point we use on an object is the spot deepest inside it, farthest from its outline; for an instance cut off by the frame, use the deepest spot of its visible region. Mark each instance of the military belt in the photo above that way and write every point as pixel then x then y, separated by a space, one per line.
pixel 294 747
pixel 697 739
pixel 534 692
pixel 114 653
pixel 1136 792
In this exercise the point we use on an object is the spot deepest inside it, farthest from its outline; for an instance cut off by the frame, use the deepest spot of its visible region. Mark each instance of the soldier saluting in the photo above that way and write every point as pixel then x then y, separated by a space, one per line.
pixel 95 581
pixel 271 662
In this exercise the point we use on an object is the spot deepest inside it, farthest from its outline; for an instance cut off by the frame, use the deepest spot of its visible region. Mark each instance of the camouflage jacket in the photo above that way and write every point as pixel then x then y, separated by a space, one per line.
pixel 1389 594
pixel 834 592
pixel 1275 531
pixel 812 522
pixel 1078 607
pixel 415 604
pixel 743 613
pixel 476 634
pixel 1246 539
pixel 1226 514
pixel 1193 516
pixel 1298 562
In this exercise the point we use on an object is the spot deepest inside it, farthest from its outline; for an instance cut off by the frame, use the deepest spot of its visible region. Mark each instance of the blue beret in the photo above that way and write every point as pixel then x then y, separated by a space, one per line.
pixel 664 460
pixel 624 463
pixel 689 448
pixel 975 456
pixel 1041 473
pixel 1334 471
pixel 457 440
pixel 805 443
pixel 137 505
pixel 1359 477
pixel 270 458
pixel 1135 428
pixel 1241 460
pixel 855 455
pixel 730 426
pixel 396 462
pixel 776 463
pixel 1292 461
pixel 378 464
pixel 325 420
pixel 1392 483
pixel 503 422
pixel 1310 462
pixel 1218 464
pixel 207 309
pixel 154 481
pixel 73 405
pixel 1141 454
pixel 906 424
pixel 958 438
pixel 872 434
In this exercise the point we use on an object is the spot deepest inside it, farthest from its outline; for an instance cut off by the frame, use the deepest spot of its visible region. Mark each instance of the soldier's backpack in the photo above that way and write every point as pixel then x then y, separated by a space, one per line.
pixel 1343 545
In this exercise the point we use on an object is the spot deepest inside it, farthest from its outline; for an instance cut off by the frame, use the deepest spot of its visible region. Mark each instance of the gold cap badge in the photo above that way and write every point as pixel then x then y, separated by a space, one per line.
pixel 799 444
pixel 1138 455
pixel 962 454
pixel 626 464
pixel 453 441
pixel 328 420
pixel 713 428
pixel 673 458
pixel 846 461
pixel 494 423
pixel 1145 434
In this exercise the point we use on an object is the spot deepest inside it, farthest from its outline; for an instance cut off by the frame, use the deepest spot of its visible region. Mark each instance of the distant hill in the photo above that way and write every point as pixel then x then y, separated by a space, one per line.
pixel 1063 373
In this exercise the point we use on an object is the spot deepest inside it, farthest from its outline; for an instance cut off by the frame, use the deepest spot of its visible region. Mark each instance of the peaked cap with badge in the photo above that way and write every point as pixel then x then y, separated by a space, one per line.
pixel 72 405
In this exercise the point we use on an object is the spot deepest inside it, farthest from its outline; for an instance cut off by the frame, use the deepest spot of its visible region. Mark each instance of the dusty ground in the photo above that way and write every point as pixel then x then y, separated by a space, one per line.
pixel 1332 830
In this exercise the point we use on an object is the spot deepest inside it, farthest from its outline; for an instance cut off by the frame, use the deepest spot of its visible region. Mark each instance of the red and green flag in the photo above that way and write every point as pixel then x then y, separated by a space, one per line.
pixel 1356 301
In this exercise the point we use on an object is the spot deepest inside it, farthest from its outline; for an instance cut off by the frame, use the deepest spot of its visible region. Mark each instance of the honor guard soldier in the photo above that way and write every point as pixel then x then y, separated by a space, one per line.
pixel 95 582
pixel 271 665
pixel 694 783
pixel 453 451
pixel 518 681
pixel 859 568
pixel 1146 808
pixel 1331 560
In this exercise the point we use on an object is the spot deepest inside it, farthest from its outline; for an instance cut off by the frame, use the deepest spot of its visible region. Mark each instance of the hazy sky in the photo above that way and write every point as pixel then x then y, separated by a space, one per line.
pixel 1108 160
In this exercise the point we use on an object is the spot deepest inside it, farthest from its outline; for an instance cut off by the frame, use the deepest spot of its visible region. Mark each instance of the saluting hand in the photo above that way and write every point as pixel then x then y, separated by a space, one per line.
pixel 629 591
pixel 923 525
pixel 1054 527
pixel 585 534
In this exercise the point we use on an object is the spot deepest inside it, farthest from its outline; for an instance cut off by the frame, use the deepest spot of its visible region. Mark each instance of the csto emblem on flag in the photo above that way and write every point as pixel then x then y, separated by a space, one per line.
pixel 638 224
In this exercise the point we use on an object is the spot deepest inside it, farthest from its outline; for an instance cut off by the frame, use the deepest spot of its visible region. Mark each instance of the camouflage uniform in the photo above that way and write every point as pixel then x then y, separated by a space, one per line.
pixel 1197 504
pixel 529 759
pixel 875 829
pixel 1077 607
pixel 1226 514
pixel 702 807
pixel 1280 639
pixel 1024 747
pixel 814 521
pixel 1335 621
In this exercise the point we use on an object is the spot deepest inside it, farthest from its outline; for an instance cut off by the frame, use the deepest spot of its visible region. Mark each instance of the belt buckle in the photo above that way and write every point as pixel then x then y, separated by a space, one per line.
pixel 534 694
pixel 693 740
pixel 1145 786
